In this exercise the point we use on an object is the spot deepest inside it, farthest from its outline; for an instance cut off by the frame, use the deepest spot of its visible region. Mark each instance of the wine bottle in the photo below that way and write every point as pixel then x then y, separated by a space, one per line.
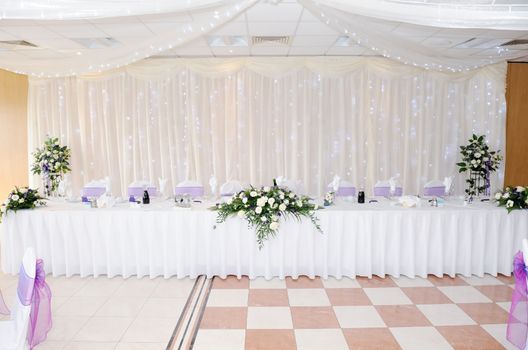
pixel 146 197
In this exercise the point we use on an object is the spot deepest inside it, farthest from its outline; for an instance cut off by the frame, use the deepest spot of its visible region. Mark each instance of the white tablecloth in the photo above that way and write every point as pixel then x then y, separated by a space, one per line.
pixel 358 239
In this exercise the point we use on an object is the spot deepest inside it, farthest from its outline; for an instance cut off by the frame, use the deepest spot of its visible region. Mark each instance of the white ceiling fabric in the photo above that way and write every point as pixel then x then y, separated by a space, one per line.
pixel 56 26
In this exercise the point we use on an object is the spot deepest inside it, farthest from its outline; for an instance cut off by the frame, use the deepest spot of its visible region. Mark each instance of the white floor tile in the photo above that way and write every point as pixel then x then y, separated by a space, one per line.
pixel 487 280
pixel 262 283
pixel 170 308
pixel 65 328
pixel 228 297
pixel 498 331
pixel 173 288
pixel 103 329
pixel 420 338
pixel 345 282
pixel 269 318
pixel 149 330
pixel 404 281
pixel 66 286
pixel 316 339
pixel 81 306
pixel 121 307
pixel 134 287
pixel 224 339
pixel 100 287
pixel 52 345
pixel 90 346
pixel 505 305
pixel 445 315
pixel 464 294
pixel 387 296
pixel 358 317
pixel 141 346
pixel 308 297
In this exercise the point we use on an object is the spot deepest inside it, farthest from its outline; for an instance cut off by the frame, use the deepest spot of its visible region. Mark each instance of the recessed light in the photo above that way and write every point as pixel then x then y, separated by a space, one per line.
pixel 342 41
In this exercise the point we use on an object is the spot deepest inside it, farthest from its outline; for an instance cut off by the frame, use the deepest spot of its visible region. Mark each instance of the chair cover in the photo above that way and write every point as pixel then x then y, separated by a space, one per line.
pixel 230 188
pixel 94 189
pixel 517 331
pixel 190 188
pixel 382 189
pixel 296 186
pixel 136 188
pixel 434 188
pixel 346 189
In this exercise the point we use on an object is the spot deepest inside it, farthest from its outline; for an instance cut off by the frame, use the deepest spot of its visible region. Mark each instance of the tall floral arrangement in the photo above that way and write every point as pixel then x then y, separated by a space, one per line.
pixel 480 161
pixel 264 207
pixel 21 198
pixel 51 161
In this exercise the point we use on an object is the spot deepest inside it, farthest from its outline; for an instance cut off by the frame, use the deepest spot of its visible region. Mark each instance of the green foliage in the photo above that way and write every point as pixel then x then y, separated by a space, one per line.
pixel 513 198
pixel 51 160
pixel 21 198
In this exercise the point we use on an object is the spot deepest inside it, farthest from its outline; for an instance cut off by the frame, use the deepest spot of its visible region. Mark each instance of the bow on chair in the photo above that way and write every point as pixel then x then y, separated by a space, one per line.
pixel 40 315
pixel 518 318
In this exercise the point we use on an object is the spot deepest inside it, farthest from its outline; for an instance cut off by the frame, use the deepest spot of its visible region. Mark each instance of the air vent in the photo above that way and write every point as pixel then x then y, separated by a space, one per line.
pixel 97 43
pixel 273 40
pixel 17 43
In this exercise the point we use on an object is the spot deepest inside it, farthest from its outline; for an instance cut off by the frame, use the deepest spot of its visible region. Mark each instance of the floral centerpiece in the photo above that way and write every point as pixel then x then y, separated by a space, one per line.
pixel 51 161
pixel 21 198
pixel 480 161
pixel 264 207
pixel 329 198
pixel 513 198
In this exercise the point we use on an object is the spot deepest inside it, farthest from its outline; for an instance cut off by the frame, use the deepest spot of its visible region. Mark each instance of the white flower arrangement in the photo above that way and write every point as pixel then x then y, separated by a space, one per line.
pixel 329 198
pixel 52 161
pixel 263 208
pixel 21 198
pixel 513 198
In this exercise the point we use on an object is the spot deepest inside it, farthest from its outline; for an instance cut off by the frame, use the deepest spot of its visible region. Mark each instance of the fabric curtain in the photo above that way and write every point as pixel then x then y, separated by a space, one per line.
pixel 253 119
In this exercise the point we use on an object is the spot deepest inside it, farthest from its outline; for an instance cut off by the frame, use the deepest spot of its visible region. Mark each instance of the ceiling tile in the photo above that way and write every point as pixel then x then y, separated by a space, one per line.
pixel 130 29
pixel 273 29
pixel 230 51
pixel 30 32
pixel 58 43
pixel 315 28
pixel 414 30
pixel 308 50
pixel 308 17
pixel 164 27
pixel 199 42
pixel 269 50
pixel 86 30
pixel 232 28
pixel 274 12
pixel 316 40
pixel 346 51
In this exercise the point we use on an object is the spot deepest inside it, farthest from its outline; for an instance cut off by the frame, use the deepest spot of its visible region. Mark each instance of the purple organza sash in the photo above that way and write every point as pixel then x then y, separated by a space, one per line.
pixel 383 191
pixel 40 315
pixel 25 286
pixel 93 191
pixel 344 191
pixel 436 191
pixel 196 191
pixel 518 318
pixel 138 191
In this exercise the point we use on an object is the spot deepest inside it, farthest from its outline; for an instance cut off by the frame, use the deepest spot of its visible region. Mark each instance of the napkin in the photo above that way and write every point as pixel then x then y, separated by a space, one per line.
pixel 105 201
pixel 280 180
pixel 409 201
pixel 335 183
pixel 64 186
pixel 448 181
pixel 162 185
pixel 213 183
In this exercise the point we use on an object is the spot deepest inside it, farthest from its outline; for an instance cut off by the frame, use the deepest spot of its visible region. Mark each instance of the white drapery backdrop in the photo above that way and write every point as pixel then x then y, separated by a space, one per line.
pixel 252 119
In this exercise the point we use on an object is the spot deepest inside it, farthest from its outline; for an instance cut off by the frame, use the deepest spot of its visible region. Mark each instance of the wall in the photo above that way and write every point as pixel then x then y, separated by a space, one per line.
pixel 13 132
pixel 517 125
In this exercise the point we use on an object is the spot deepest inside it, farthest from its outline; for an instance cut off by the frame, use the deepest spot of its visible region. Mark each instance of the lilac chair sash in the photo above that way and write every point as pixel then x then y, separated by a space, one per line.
pixel 436 191
pixel 93 191
pixel 346 192
pixel 25 286
pixel 383 191
pixel 196 191
pixel 518 318
pixel 138 191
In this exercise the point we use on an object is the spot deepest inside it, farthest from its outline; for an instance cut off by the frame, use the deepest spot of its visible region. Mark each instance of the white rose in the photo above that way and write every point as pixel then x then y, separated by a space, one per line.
pixel 274 225
pixel 520 189
pixel 15 197
pixel 506 195
pixel 299 203
pixel 265 199
pixel 229 200
pixel 286 202
pixel 244 200
pixel 48 153
pixel 282 207
pixel 292 195
pixel 56 156
pixel 21 200
pixel 498 195
pixel 266 189
pixel 316 207
pixel 260 202
pixel 281 196
pixel 258 210
pixel 478 161
pixel 253 194
pixel 477 155
pixel 275 218
pixel 271 201
pixel 473 161
pixel 264 219
pixel 23 190
pixel 509 204
pixel 240 213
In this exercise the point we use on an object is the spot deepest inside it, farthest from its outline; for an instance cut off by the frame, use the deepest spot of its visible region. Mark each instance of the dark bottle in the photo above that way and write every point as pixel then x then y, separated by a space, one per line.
pixel 146 197
pixel 361 197
pixel 274 183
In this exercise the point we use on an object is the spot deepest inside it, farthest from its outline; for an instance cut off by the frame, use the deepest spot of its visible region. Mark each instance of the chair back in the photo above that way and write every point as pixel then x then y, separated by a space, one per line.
pixel 346 189
pixel 296 186
pixel 136 188
pixel 190 188
pixel 230 188
pixel 94 189
pixel 434 188
pixel 22 306
pixel 382 189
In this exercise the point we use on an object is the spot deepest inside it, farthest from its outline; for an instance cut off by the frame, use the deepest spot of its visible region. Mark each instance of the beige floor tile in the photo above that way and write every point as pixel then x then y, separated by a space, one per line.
pixel 66 286
pixel 225 339
pixel 121 307
pixel 81 306
pixel 273 317
pixel 358 317
pixel 170 308
pixel 345 282
pixel 262 283
pixel 464 294
pixel 100 287
pixel 141 346
pixel 134 287
pixel 52 345
pixel 316 339
pixel 228 297
pixel 308 297
pixel 445 315
pixel 498 331
pixel 65 328
pixel 420 338
pixel 103 329
pixel 487 280
pixel 90 346
pixel 404 281
pixel 149 330
pixel 505 305
pixel 173 288
pixel 387 296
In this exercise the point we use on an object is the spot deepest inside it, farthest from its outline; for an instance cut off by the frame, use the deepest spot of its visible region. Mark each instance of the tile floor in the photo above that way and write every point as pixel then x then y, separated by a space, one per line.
pixel 304 314
pixel 390 313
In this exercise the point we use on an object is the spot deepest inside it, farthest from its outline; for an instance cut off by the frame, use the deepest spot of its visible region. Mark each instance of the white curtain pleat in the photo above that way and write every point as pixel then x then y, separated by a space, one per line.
pixel 306 123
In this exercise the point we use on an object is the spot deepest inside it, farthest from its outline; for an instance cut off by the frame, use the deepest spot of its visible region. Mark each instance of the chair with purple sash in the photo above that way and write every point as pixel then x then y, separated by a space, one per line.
pixel 435 188
pixel 136 189
pixel 190 188
pixel 230 188
pixel 517 331
pixel 30 319
pixel 383 189
pixel 345 189
pixel 94 189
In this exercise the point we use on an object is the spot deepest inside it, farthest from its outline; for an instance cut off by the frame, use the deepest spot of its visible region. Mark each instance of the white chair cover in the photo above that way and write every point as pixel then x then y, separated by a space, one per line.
pixel 296 186
pixel 14 331
pixel 189 187
pixel 230 188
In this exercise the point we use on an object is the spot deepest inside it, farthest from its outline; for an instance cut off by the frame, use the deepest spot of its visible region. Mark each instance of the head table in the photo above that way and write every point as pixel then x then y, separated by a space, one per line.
pixel 358 239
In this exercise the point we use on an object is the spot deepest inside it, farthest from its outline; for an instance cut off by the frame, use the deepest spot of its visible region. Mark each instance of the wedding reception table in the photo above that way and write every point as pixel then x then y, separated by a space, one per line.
pixel 358 239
